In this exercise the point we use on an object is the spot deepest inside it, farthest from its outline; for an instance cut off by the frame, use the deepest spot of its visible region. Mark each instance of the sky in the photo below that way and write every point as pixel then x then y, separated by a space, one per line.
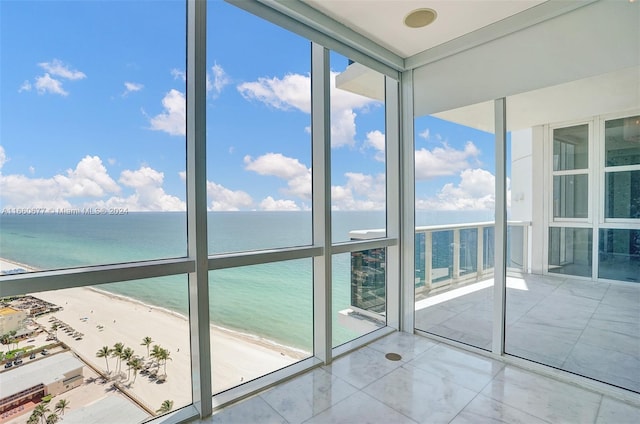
pixel 92 114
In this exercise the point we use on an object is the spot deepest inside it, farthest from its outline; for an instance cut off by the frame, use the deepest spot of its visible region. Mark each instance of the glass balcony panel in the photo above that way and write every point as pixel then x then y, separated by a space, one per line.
pixel 358 146
pixel 93 146
pixel 622 141
pixel 116 352
pixel 619 255
pixel 571 148
pixel 358 294
pixel 455 209
pixel 622 194
pixel 261 320
pixel 258 133
pixel 571 196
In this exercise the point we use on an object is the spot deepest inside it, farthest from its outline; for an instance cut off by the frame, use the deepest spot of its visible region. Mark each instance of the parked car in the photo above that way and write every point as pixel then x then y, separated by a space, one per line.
pixel 32 356
pixel 8 365
pixel 44 352
pixel 17 362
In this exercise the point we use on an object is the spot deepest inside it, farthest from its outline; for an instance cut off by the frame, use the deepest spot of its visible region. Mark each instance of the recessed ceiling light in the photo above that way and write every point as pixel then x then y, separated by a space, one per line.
pixel 420 18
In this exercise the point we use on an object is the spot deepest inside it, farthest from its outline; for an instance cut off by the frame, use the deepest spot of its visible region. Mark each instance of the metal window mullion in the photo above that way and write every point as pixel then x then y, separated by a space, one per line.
pixel 197 207
pixel 393 204
pixel 500 268
pixel 407 205
pixel 321 189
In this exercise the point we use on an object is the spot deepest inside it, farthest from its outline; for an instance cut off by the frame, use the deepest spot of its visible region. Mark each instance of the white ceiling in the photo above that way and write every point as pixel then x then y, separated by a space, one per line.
pixel 382 21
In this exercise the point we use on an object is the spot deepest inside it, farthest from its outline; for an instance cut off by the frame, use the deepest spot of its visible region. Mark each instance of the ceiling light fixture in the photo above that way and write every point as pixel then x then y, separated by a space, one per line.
pixel 420 18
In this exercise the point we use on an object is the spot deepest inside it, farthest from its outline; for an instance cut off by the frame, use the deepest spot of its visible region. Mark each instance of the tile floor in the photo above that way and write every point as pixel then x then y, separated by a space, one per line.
pixel 432 383
pixel 588 328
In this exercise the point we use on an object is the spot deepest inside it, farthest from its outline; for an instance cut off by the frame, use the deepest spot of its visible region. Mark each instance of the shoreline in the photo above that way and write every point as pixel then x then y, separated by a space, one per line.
pixel 106 318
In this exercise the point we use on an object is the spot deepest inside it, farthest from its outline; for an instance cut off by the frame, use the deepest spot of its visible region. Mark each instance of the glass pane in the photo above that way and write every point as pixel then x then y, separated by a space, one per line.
pixel 571 148
pixel 619 255
pixel 571 196
pixel 622 141
pixel 455 209
pixel 570 251
pixel 262 320
pixel 83 340
pixel 358 144
pixel 468 251
pixel 622 194
pixel 258 133
pixel 93 146
pixel 358 294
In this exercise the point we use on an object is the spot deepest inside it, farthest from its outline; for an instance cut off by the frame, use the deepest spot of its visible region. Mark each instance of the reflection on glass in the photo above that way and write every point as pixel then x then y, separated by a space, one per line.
pixel 570 251
pixel 358 294
pixel 570 196
pixel 622 194
pixel 441 255
pixel 262 320
pixel 619 255
pixel 570 148
pixel 128 338
pixel 622 141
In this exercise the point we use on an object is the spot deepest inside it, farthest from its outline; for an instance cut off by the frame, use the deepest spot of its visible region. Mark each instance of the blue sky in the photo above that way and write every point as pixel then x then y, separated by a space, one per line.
pixel 92 115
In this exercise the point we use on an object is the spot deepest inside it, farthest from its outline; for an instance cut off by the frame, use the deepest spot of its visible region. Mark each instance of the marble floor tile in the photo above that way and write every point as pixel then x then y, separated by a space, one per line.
pixel 307 395
pixel 463 368
pixel 613 411
pixel 406 345
pixel 485 410
pixel 543 397
pixel 420 395
pixel 586 289
pixel 362 367
pixel 252 410
pixel 362 409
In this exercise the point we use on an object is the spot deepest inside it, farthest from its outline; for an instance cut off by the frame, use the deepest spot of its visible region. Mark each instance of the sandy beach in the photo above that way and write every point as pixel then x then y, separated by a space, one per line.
pixel 106 319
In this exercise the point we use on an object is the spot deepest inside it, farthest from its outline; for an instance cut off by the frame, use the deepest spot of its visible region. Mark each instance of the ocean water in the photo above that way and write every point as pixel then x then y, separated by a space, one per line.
pixel 273 301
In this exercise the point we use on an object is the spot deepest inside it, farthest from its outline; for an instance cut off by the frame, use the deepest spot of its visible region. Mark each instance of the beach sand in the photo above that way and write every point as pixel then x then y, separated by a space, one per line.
pixel 106 319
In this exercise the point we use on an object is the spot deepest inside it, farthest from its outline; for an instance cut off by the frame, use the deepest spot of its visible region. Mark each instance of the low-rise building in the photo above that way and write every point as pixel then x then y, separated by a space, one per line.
pixel 11 319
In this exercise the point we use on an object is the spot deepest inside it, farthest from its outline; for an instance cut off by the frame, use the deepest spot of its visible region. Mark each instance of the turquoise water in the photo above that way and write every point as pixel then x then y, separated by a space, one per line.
pixel 272 300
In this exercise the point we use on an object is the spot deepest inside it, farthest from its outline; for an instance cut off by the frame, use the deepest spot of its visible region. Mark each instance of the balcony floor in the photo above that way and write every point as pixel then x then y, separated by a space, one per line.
pixel 432 383
pixel 584 327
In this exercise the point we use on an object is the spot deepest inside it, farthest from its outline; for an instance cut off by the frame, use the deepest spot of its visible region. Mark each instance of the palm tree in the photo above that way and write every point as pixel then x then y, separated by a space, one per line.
pixel 166 406
pixel 155 354
pixel 146 341
pixel 61 405
pixel 126 355
pixel 33 419
pixel 116 352
pixel 52 419
pixel 54 328
pixel 164 356
pixel 136 364
pixel 40 410
pixel 104 352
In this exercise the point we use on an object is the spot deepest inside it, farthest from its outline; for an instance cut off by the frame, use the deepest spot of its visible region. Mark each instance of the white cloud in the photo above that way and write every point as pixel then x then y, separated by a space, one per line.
pixel 32 170
pixel 59 69
pixel 443 161
pixel 476 191
pixel 224 199
pixel 220 78
pixel 293 91
pixel 297 175
pixel 131 87
pixel 88 179
pixel 46 84
pixel 425 134
pixel 149 195
pixel 174 118
pixel 178 74
pixel 3 157
pixel 26 86
pixel 270 204
pixel 361 192
pixel 376 140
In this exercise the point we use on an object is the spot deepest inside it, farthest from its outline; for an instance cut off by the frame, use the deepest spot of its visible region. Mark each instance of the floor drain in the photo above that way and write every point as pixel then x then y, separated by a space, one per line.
pixel 393 356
